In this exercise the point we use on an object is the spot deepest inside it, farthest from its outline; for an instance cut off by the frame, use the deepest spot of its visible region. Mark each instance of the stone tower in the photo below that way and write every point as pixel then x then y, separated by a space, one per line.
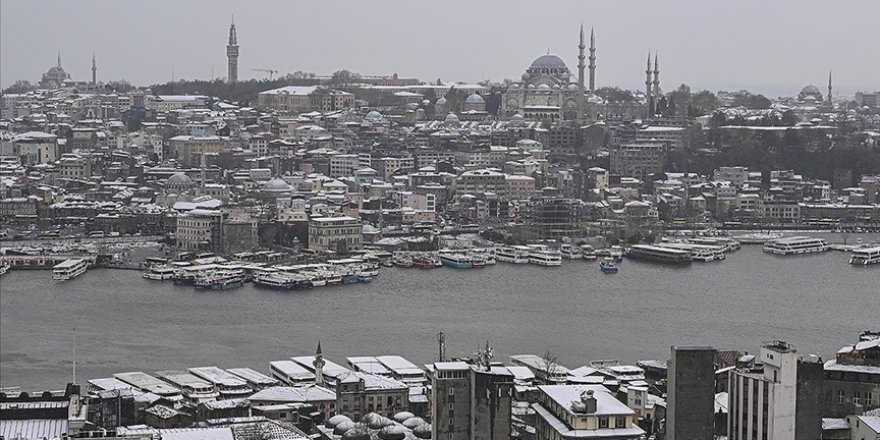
pixel 648 83
pixel 581 66
pixel 829 87
pixel 319 365
pixel 656 92
pixel 592 62
pixel 94 71
pixel 232 54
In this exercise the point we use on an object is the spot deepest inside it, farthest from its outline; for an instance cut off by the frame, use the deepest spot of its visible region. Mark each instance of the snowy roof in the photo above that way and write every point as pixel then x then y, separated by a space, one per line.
pixel 310 393
pixel 606 403
pixel 291 90
pixel 832 365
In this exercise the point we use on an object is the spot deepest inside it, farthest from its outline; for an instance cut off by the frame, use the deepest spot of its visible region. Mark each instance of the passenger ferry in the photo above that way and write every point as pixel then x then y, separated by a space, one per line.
pixel 457 261
pixel 159 273
pixel 616 252
pixel 588 253
pixel 699 252
pixel 423 262
pixel 865 256
pixel 513 254
pixel 544 256
pixel 728 244
pixel 796 246
pixel 69 269
pixel 570 252
pixel 401 261
pixel 221 280
pixel 274 281
pixel 659 254
pixel 607 265
pixel 487 255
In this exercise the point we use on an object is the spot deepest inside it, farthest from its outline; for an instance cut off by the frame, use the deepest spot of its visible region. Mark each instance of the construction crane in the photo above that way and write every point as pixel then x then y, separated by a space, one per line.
pixel 269 71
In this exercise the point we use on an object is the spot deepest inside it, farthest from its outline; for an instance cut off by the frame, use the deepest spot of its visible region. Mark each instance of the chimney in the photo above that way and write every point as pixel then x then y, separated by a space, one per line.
pixel 590 401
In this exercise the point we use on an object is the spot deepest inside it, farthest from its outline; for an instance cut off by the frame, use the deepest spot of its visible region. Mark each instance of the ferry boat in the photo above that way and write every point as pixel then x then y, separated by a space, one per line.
pixel 570 252
pixel 274 281
pixel 699 252
pixel 456 261
pixel 423 262
pixel 544 256
pixel 659 254
pixel 69 269
pixel 796 246
pixel 221 280
pixel 728 244
pixel 616 252
pixel 478 261
pixel 607 265
pixel 865 256
pixel 513 254
pixel 159 273
pixel 349 279
pixel 334 279
pixel 405 262
pixel 588 253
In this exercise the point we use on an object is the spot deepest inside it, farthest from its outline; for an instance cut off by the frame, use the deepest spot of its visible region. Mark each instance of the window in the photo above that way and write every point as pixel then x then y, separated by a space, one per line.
pixel 857 398
pixel 451 406
pixel 603 422
pixel 620 422
pixel 841 396
pixel 452 391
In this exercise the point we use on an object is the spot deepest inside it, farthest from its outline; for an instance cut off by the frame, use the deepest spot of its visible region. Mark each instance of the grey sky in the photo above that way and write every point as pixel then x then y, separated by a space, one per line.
pixel 770 46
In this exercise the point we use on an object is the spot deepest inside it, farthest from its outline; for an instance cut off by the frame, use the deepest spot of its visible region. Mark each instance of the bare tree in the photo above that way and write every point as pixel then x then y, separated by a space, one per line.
pixel 550 365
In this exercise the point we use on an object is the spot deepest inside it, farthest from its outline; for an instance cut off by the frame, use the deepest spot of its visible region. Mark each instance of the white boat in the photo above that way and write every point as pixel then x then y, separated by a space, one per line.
pixel 570 252
pixel 796 246
pixel 159 273
pixel 865 256
pixel 616 252
pixel 457 261
pixel 544 256
pixel 69 269
pixel 699 252
pixel 4 268
pixel 513 254
pixel 588 253
pixel 607 265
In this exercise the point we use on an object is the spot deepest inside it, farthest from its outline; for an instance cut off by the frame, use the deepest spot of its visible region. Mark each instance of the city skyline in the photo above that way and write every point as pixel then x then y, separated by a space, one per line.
pixel 801 54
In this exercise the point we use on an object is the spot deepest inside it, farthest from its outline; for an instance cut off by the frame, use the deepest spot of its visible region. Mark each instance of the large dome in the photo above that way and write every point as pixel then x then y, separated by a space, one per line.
pixel 810 90
pixel 549 62
pixel 179 182
pixel 276 185
pixel 475 99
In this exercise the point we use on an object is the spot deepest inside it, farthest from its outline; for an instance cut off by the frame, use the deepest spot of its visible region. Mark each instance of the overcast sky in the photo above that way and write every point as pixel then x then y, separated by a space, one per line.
pixel 769 46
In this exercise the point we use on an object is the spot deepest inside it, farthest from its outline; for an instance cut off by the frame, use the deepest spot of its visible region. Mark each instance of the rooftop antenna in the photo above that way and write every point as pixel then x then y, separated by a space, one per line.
pixel 441 342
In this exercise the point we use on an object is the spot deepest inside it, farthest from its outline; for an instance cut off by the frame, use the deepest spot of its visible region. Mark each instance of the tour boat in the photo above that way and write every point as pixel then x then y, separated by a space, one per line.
pixel 607 265
pixel 405 262
pixel 334 279
pixel 570 252
pixel 159 273
pixel 220 280
pixel 274 281
pixel 659 254
pixel 69 269
pixel 865 256
pixel 588 253
pixel 423 262
pixel 616 252
pixel 796 246
pixel 457 261
pixel 699 252
pixel 513 254
pixel 478 262
pixel 544 256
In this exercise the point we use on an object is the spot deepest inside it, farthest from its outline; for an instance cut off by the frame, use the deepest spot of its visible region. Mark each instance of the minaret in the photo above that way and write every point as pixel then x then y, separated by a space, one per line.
pixel 202 174
pixel 319 365
pixel 648 83
pixel 656 76
pixel 829 87
pixel 59 59
pixel 592 62
pixel 232 54
pixel 581 66
pixel 94 70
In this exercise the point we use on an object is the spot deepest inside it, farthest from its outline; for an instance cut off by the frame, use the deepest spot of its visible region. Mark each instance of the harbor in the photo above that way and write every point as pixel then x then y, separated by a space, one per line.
pixel 126 322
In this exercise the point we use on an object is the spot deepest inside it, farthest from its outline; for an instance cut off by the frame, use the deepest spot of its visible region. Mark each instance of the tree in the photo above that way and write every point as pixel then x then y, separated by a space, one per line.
pixel 20 86
pixel 789 119
pixel 704 102
pixel 550 365
pixel 615 94
pixel 343 79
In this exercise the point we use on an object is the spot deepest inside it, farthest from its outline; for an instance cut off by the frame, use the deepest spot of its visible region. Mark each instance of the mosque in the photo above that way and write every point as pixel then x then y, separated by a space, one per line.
pixel 55 76
pixel 548 89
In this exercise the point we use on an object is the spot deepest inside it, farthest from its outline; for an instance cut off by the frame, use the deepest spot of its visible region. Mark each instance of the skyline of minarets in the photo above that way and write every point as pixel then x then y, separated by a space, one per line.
pixel 232 54
pixel 829 87
pixel 592 61
pixel 94 70
pixel 648 83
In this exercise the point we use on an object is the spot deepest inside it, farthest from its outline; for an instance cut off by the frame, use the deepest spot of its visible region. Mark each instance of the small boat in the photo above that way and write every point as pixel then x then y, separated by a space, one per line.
pixel 478 262
pixel 334 280
pixel 69 269
pixel 423 263
pixel 349 279
pixel 457 261
pixel 221 280
pixel 402 262
pixel 274 281
pixel 607 265
pixel 588 253
pixel 616 252
pixel 570 252
pixel 159 273
pixel 4 268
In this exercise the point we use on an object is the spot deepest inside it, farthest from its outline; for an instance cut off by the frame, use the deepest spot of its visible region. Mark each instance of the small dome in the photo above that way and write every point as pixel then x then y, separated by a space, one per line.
pixel 336 420
pixel 441 101
pixel 516 117
pixel 526 76
pixel 555 87
pixel 344 427
pixel 571 87
pixel 530 86
pixel 543 87
pixel 179 182
pixel 423 431
pixel 403 416
pixel 413 422
pixel 358 433
pixel 475 99
pixel 451 118
pixel 276 185
pixel 426 102
pixel 376 421
pixel 392 432
pixel 373 116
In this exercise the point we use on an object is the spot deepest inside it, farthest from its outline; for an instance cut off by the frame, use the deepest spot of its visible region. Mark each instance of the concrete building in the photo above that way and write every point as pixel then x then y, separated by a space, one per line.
pixel 200 230
pixel 343 165
pixel 470 402
pixel 481 181
pixel 239 235
pixel 690 413
pixel 32 148
pixel 778 399
pixel 638 160
pixel 568 412
pixel 852 379
pixel 300 99
pixel 335 234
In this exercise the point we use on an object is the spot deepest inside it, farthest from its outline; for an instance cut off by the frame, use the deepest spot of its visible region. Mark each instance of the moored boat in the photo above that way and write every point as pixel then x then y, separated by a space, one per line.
pixel 796 246
pixel 865 256
pixel 456 261
pixel 607 265
pixel 544 256
pixel 159 273
pixel 588 253
pixel 659 254
pixel 69 269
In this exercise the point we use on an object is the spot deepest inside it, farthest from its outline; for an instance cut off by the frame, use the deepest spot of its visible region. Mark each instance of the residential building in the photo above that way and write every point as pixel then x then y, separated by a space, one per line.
pixel 568 412
pixel 852 379
pixel 638 160
pixel 335 234
pixel 690 398
pixel 470 401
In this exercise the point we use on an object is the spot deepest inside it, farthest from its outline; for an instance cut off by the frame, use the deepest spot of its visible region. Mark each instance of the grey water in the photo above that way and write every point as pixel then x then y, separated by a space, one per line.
pixel 124 322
